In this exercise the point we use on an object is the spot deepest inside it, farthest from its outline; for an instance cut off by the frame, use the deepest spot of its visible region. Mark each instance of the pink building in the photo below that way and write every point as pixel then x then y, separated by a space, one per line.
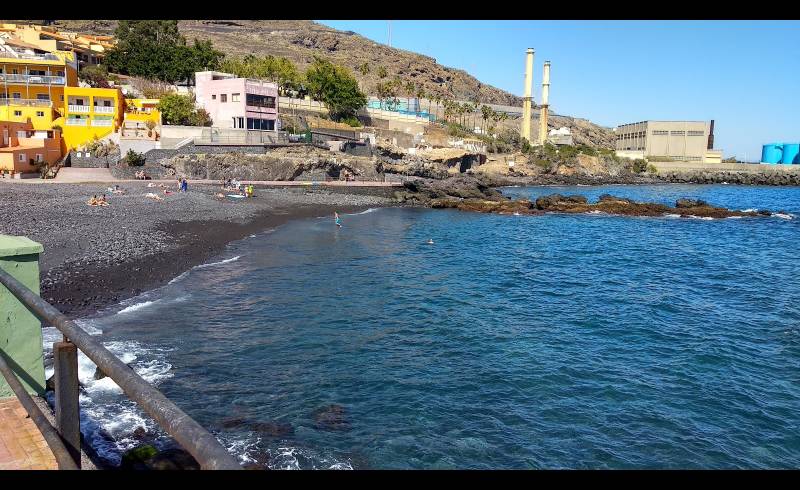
pixel 240 103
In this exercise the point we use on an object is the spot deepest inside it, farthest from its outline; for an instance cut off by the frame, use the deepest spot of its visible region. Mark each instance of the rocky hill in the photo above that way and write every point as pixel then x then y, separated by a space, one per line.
pixel 301 40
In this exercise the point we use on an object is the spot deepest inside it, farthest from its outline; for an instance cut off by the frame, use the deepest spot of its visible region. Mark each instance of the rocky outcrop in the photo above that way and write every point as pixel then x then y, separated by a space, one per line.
pixel 292 163
pixel 556 203
pixel 460 187
pixel 723 177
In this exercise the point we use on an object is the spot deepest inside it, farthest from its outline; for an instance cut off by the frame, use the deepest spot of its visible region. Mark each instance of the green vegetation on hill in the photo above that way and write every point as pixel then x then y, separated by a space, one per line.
pixel 155 49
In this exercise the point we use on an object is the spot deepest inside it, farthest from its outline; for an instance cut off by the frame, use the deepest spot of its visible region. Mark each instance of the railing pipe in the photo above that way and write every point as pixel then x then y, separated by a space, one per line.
pixel 62 455
pixel 190 435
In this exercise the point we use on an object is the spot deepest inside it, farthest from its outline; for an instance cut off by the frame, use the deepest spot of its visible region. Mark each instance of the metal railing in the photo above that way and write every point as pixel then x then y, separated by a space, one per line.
pixel 35 79
pixel 51 436
pixel 102 122
pixel 78 108
pixel 203 446
pixel 71 121
pixel 230 136
pixel 25 102
pixel 104 109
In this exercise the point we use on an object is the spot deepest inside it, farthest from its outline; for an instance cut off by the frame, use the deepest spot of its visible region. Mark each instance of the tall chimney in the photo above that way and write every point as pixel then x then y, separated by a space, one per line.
pixel 545 104
pixel 526 99
pixel 711 136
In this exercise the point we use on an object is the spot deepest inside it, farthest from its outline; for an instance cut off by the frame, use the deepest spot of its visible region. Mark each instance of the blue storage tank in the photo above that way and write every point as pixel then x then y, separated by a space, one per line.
pixel 772 153
pixel 790 152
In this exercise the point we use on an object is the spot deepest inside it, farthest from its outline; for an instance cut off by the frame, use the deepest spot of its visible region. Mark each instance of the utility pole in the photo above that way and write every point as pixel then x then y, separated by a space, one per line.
pixel 390 32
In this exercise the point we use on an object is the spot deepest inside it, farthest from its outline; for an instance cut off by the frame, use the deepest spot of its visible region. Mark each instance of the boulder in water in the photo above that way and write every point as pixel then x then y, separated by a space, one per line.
pixel 173 459
pixel 331 417
pixel 689 203
pixel 273 429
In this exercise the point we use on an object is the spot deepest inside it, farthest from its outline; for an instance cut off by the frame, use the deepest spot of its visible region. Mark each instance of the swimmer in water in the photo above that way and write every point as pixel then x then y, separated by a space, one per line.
pixel 430 241
pixel 337 220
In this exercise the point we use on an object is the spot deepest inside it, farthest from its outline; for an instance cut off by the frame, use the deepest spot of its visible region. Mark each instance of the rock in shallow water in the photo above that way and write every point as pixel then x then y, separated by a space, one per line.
pixel 331 417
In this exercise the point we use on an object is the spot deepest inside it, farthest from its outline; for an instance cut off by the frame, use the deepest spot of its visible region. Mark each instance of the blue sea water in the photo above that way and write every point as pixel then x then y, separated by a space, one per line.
pixel 556 341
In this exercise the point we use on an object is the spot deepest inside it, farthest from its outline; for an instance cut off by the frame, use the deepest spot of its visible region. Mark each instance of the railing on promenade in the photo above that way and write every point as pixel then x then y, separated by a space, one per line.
pixel 66 443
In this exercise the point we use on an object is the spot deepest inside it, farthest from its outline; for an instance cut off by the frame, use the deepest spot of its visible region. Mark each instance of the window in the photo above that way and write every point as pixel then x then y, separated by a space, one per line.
pixel 235 97
pixel 17 95
pixel 213 96
pixel 677 133
pixel 39 113
pixel 39 157
pixel 22 157
pixel 223 97
pixel 18 113
pixel 62 97
pixel 696 133
pixel 42 97
pixel 660 133
pixel 255 100
pixel 241 122
pixel 106 103
pixel 260 124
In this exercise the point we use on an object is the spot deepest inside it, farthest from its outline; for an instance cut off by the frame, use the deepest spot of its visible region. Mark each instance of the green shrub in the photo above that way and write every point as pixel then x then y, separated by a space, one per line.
pixel 133 159
pixel 351 121
pixel 651 169
pixel 639 166
pixel 587 150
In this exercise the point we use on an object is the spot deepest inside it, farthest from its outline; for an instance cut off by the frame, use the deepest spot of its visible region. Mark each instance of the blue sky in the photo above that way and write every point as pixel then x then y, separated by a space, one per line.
pixel 743 74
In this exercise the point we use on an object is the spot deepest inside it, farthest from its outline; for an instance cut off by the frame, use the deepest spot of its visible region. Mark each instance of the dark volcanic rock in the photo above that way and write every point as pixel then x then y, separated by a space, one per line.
pixel 331 417
pixel 233 422
pixel 689 203
pixel 273 429
pixel 173 459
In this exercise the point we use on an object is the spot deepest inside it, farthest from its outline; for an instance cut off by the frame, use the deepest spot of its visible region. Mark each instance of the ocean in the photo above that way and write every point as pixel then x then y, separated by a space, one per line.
pixel 555 341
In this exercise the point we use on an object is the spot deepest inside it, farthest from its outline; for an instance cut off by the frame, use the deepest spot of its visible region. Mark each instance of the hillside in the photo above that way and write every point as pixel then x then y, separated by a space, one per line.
pixel 300 40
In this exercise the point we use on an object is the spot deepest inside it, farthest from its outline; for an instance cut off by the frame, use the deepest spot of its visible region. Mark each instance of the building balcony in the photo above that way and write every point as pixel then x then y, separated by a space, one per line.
pixel 71 121
pixel 102 122
pixel 78 108
pixel 26 56
pixel 25 102
pixel 104 109
pixel 32 79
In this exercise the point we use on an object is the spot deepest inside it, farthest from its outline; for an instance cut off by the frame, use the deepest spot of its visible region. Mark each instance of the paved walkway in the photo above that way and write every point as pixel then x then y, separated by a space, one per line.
pixel 74 175
pixel 22 446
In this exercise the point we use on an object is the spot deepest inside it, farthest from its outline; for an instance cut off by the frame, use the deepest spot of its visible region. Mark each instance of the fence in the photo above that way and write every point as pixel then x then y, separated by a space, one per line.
pixel 64 439
pixel 228 136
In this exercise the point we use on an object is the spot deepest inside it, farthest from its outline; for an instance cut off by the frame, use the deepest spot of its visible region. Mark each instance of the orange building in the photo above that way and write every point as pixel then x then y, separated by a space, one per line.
pixel 23 149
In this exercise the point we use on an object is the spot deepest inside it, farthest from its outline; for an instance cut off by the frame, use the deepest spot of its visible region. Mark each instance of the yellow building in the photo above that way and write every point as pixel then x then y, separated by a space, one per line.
pixel 142 110
pixel 90 113
pixel 89 49
pixel 32 85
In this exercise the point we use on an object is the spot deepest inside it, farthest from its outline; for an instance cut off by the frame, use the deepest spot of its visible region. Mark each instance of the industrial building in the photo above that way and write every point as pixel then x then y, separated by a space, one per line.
pixel 683 141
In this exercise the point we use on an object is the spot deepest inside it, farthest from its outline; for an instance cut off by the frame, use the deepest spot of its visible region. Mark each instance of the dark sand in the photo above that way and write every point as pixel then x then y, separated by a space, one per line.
pixel 98 256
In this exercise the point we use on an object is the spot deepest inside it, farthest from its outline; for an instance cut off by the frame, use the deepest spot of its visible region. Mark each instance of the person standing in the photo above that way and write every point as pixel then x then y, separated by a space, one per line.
pixel 337 220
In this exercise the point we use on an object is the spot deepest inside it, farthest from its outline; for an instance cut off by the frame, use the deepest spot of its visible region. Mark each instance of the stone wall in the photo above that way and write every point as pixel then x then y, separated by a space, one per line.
pixel 92 161
pixel 159 155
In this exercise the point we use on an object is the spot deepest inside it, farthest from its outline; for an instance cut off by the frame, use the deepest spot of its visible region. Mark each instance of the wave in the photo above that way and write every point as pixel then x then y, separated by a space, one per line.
pixel 363 212
pixel 137 306
pixel 232 259
pixel 784 216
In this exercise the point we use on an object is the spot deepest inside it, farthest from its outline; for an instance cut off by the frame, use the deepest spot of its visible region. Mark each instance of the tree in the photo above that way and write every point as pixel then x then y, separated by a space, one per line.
pixel 95 75
pixel 155 49
pixel 177 109
pixel 336 87
pixel 382 73
pixel 486 112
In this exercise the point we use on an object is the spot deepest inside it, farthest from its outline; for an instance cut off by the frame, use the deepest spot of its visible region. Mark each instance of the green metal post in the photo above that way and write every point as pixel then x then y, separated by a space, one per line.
pixel 20 330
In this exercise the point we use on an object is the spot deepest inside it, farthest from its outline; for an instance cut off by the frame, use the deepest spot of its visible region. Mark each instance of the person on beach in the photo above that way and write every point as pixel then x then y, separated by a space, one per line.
pixel 184 186
pixel 337 220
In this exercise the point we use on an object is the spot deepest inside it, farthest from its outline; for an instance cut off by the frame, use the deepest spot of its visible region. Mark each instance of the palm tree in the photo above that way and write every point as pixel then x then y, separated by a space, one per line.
pixel 485 113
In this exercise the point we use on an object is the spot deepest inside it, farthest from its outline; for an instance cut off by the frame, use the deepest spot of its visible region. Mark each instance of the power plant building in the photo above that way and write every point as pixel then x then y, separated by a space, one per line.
pixel 683 141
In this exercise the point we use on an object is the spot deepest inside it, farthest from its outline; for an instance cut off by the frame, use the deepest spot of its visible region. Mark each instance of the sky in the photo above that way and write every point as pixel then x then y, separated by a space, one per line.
pixel 743 74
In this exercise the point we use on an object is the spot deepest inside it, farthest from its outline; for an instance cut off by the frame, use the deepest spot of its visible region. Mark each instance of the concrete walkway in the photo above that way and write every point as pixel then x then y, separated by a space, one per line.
pixel 22 446
pixel 75 175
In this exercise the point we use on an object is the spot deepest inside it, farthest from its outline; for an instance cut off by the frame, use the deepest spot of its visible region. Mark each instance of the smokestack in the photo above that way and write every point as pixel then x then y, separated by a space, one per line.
pixel 526 99
pixel 543 113
pixel 711 136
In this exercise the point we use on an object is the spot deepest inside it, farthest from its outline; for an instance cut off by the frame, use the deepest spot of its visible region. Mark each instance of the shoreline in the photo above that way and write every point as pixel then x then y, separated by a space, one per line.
pixel 96 287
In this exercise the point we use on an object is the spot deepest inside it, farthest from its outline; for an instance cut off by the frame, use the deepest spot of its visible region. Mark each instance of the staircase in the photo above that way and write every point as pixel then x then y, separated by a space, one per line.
pixel 76 175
